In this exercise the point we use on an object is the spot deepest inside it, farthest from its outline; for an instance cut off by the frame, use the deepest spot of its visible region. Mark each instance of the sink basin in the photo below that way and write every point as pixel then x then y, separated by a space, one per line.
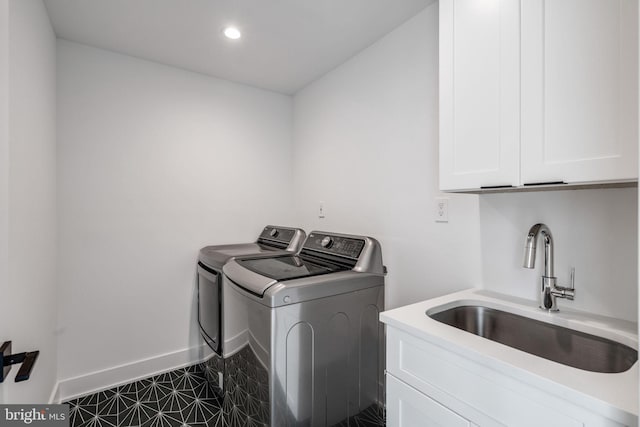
pixel 573 348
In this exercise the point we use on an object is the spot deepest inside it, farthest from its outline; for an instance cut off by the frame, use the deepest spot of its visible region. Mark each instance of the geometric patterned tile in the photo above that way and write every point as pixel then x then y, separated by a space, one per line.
pixel 185 398
pixel 175 399
pixel 373 416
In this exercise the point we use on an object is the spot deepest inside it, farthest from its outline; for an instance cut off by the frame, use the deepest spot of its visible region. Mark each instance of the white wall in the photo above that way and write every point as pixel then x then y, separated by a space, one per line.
pixel 4 163
pixel 154 163
pixel 596 231
pixel 27 195
pixel 366 138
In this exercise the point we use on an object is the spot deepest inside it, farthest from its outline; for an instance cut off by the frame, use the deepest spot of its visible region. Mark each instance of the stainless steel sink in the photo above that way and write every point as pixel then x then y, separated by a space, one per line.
pixel 562 345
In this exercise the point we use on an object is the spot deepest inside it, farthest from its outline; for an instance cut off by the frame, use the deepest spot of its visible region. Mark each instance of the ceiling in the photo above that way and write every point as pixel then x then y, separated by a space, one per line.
pixel 285 44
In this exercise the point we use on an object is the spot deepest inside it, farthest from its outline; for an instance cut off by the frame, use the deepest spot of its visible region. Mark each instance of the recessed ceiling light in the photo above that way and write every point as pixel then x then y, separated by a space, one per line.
pixel 232 33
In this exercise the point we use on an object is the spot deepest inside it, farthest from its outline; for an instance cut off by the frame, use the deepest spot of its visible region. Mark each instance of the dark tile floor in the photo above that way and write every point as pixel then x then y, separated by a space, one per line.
pixel 178 398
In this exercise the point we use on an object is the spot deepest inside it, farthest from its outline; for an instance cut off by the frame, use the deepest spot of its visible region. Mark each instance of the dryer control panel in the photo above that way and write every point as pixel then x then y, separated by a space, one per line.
pixel 348 247
pixel 282 237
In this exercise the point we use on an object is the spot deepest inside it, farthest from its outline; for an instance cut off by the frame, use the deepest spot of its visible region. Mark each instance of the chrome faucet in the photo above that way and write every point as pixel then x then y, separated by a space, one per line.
pixel 549 291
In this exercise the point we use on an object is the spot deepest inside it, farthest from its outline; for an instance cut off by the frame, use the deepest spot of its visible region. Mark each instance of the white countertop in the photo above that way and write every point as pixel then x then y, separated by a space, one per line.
pixel 604 393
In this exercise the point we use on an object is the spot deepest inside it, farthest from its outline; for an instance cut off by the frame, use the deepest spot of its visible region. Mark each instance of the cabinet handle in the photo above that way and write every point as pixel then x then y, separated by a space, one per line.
pixel 532 184
pixel 489 187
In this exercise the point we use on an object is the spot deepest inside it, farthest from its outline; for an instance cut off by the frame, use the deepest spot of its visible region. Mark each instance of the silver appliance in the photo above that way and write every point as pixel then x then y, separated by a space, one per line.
pixel 303 346
pixel 273 240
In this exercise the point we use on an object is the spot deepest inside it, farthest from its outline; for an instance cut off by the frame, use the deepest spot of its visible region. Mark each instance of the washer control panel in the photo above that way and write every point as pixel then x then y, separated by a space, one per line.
pixel 335 245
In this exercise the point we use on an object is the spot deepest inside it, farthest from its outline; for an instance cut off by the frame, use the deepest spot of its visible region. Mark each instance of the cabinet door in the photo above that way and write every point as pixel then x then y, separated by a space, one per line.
pixel 407 407
pixel 579 90
pixel 479 93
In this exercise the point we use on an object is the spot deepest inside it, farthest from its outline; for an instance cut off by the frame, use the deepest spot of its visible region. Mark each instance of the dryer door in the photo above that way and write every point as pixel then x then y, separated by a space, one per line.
pixel 209 306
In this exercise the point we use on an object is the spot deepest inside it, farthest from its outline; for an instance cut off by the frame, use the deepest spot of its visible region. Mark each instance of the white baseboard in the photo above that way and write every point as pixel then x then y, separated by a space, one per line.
pixel 105 379
pixel 55 393
pixel 236 343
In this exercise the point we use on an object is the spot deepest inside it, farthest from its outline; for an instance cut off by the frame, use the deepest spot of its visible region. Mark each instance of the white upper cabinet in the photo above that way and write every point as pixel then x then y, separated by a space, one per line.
pixel 579 90
pixel 538 91
pixel 479 93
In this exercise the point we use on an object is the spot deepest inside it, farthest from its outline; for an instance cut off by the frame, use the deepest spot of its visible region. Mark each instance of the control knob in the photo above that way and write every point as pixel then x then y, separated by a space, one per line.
pixel 326 242
pixel 273 232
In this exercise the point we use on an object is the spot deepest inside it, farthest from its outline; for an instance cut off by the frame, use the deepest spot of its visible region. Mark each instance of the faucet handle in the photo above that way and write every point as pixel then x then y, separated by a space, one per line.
pixel 566 292
pixel 573 279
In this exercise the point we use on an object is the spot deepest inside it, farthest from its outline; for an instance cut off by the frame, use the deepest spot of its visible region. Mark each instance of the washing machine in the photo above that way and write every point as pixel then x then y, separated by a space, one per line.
pixel 304 346
pixel 273 240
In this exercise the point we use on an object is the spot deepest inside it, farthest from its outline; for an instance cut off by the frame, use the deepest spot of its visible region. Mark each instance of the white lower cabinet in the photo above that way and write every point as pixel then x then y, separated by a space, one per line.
pixel 407 407
pixel 428 385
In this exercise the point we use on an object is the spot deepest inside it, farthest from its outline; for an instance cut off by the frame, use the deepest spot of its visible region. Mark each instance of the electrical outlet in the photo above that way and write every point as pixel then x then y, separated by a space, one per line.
pixel 441 210
pixel 321 210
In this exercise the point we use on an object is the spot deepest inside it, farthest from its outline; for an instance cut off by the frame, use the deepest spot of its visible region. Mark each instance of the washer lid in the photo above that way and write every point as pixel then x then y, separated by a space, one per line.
pixel 324 257
pixel 288 267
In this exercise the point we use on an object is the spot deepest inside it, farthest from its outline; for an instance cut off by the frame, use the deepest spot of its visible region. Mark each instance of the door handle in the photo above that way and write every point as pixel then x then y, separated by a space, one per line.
pixel 26 359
